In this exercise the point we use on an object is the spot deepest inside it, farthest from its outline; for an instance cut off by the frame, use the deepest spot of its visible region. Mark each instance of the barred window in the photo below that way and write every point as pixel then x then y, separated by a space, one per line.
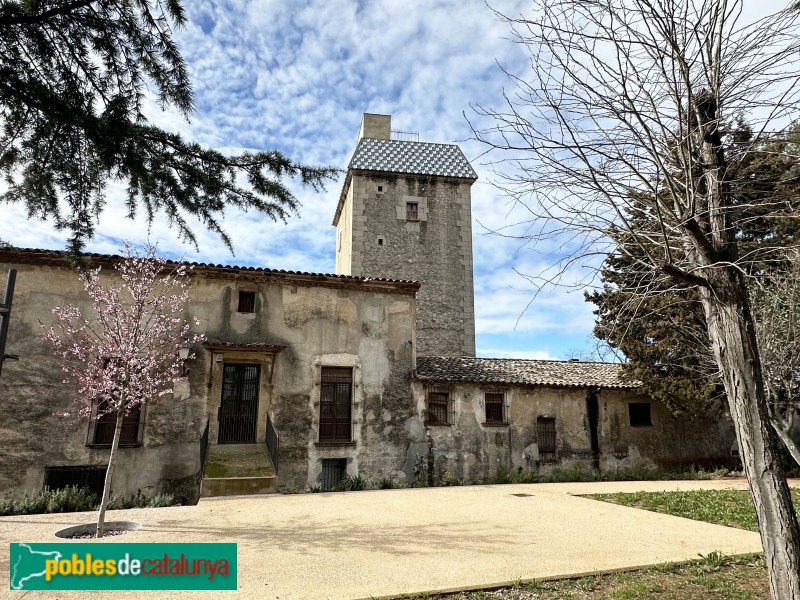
pixel 494 404
pixel 546 438
pixel 92 477
pixel 335 404
pixel 439 407
pixel 333 471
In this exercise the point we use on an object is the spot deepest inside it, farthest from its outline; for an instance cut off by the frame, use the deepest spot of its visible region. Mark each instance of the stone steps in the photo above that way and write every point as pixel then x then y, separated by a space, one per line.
pixel 238 469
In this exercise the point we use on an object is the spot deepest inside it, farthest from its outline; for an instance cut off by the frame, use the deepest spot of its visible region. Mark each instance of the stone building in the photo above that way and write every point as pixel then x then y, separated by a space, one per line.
pixel 306 378
pixel 284 350
pixel 482 414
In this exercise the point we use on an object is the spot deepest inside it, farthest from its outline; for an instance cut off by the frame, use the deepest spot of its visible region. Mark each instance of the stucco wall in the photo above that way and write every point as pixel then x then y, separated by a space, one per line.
pixel 330 323
pixel 472 451
pixel 435 250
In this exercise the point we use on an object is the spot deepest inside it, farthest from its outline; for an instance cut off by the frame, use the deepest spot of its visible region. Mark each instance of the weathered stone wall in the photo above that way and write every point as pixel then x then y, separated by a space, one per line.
pixel 320 323
pixel 472 451
pixel 435 250
pixel 31 437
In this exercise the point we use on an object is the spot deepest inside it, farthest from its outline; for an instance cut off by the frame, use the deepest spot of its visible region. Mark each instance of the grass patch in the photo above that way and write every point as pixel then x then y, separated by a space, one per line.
pixel 733 508
pixel 76 499
pixel 714 577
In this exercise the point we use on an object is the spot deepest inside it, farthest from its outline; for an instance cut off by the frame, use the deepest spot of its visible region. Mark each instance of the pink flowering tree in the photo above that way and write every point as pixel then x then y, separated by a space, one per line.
pixel 126 351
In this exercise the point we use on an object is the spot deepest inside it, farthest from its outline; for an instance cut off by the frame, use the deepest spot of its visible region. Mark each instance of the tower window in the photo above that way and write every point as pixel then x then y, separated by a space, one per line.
pixel 380 189
pixel 412 211
pixel 381 241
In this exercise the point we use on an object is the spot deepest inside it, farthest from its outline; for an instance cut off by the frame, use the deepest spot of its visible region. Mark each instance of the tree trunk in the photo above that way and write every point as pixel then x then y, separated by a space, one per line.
pixel 112 462
pixel 732 334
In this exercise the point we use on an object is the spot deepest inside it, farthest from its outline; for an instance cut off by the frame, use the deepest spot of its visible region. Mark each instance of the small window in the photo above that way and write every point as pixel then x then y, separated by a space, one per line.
pixel 494 403
pixel 132 426
pixel 639 413
pixel 380 189
pixel 439 408
pixel 412 211
pixel 56 478
pixel 333 471
pixel 380 241
pixel 247 302
pixel 546 438
pixel 335 404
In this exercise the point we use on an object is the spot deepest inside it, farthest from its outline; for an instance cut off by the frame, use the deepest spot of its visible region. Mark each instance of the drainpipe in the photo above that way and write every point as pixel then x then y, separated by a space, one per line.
pixel 5 315
pixel 593 411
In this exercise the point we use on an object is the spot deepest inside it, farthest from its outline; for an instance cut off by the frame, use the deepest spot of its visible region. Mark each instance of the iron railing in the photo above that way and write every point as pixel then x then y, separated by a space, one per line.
pixel 203 449
pixel 272 443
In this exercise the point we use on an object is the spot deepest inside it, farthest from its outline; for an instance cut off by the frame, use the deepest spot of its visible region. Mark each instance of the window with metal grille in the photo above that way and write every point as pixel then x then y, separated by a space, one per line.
pixel 412 211
pixel 336 404
pixel 494 404
pixel 439 410
pixel 639 413
pixel 247 302
pixel 102 434
pixel 56 478
pixel 546 438
pixel 333 471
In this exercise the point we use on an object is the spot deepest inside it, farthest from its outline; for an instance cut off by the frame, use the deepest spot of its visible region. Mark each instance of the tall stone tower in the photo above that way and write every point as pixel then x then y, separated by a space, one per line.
pixel 405 213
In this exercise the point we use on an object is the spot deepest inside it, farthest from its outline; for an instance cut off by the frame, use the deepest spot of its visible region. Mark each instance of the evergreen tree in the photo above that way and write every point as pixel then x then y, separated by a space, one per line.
pixel 73 76
pixel 660 325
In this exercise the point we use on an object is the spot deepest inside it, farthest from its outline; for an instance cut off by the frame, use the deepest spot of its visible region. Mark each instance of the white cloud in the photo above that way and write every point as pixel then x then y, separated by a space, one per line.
pixel 297 77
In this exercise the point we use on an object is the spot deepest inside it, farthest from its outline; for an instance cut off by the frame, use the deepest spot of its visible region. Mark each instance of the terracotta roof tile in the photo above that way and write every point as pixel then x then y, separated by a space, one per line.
pixel 551 373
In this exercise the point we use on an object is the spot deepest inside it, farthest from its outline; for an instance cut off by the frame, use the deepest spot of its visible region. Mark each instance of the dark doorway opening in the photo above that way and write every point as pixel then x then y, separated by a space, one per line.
pixel 238 410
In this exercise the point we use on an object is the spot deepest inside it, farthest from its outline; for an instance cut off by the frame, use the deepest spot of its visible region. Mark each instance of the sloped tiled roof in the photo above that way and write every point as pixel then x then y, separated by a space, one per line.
pixel 414 158
pixel 551 373
pixel 61 258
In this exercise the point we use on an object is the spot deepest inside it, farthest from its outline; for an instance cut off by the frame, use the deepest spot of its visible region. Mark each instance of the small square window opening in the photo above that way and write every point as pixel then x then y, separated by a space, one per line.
pixel 380 241
pixel 639 413
pixel 247 302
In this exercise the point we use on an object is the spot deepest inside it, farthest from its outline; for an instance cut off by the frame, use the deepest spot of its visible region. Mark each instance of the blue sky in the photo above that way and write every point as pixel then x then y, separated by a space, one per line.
pixel 297 77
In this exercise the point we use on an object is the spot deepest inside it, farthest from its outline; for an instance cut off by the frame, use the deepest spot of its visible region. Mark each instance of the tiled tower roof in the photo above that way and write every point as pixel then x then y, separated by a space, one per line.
pixel 414 158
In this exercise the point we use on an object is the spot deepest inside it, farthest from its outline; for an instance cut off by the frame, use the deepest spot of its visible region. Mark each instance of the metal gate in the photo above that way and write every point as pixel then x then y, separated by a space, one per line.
pixel 238 410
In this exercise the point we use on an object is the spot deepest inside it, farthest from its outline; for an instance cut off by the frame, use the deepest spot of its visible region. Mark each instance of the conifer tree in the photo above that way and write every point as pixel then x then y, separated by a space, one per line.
pixel 73 79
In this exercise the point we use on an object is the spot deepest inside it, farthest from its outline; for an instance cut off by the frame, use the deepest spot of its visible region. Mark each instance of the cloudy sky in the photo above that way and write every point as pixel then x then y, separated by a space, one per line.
pixel 297 76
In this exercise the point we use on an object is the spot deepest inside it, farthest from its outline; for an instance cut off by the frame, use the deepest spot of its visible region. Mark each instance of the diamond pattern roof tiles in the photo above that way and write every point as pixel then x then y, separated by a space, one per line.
pixel 550 373
pixel 416 158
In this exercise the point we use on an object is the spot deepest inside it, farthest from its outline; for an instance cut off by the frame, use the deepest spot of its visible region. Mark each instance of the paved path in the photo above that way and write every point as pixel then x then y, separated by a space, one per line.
pixel 389 542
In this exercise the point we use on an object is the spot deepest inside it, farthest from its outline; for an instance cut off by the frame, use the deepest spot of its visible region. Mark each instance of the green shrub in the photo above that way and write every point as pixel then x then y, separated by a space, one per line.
pixel 76 499
pixel 352 483
pixel 504 475
pixel 448 479
pixel 387 483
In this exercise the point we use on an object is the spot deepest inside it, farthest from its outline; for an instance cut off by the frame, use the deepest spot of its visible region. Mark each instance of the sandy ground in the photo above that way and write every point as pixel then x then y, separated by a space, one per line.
pixel 390 542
